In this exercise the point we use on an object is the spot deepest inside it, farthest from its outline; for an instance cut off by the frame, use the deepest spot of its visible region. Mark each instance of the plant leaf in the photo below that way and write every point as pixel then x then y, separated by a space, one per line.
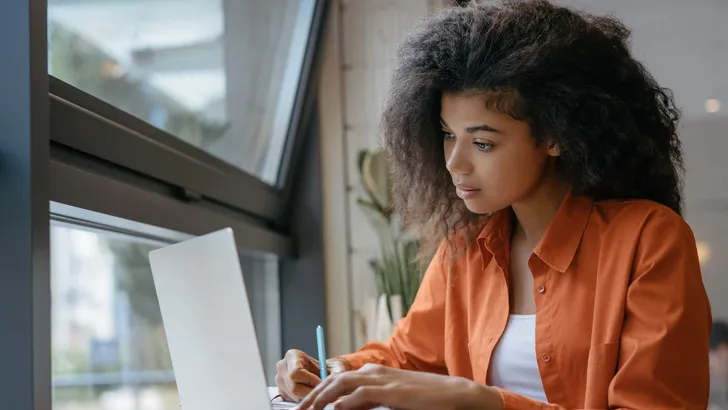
pixel 377 179
pixel 396 271
pixel 378 221
pixel 360 159
pixel 380 276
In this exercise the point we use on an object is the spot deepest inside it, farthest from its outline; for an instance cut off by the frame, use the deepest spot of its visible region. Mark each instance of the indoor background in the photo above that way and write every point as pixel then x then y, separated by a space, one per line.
pixel 126 125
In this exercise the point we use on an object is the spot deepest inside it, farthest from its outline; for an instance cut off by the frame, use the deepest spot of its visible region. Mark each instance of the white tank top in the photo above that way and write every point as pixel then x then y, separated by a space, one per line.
pixel 514 366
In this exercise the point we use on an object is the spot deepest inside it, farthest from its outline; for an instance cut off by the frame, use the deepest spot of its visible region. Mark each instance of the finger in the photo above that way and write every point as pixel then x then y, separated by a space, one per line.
pixel 309 363
pixel 293 359
pixel 341 386
pixel 291 388
pixel 303 376
pixel 282 388
pixel 307 401
pixel 298 380
pixel 375 369
pixel 296 359
pixel 300 391
pixel 283 381
pixel 337 366
pixel 281 367
pixel 365 398
pixel 297 391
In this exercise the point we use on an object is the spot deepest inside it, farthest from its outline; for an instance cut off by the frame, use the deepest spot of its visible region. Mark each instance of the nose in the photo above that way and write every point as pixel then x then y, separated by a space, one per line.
pixel 456 159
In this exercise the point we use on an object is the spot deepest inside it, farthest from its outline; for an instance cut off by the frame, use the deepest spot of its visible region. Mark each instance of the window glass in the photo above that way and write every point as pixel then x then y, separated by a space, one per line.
pixel 221 75
pixel 109 349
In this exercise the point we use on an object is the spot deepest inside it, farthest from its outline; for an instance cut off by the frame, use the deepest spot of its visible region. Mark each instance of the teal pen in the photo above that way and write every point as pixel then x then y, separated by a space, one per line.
pixel 321 351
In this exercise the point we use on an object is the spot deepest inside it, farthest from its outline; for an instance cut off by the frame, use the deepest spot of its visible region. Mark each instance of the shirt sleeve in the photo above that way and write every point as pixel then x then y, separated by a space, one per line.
pixel 663 355
pixel 418 341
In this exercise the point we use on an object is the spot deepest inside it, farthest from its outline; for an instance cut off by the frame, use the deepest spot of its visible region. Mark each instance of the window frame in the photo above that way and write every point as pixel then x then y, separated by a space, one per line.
pixel 70 184
pixel 25 300
pixel 86 124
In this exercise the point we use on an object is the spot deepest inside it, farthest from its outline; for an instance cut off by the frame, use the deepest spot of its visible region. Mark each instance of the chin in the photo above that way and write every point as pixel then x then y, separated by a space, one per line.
pixel 482 207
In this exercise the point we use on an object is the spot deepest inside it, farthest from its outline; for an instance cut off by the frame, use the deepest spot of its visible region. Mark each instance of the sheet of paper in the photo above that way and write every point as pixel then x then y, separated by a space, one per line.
pixel 279 404
pixel 282 405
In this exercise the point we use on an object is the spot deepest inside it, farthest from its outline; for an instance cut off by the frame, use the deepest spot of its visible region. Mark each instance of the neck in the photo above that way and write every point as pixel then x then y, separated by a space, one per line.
pixel 535 213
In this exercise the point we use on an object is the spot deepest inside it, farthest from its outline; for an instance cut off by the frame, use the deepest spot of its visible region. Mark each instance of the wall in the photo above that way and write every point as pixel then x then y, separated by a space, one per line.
pixel 360 50
pixel 371 32
pixel 706 191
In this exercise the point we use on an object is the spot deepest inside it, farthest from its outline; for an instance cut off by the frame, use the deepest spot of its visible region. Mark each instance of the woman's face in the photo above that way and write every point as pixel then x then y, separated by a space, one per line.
pixel 492 158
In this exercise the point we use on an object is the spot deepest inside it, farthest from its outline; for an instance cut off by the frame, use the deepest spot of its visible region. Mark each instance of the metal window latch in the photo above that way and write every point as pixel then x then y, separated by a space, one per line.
pixel 191 195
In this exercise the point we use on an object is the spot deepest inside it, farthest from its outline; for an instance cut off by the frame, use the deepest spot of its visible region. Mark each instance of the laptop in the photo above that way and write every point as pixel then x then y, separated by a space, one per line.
pixel 209 325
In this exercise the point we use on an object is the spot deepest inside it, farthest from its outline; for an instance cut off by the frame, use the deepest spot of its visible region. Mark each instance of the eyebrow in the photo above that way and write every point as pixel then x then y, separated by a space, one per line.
pixel 473 129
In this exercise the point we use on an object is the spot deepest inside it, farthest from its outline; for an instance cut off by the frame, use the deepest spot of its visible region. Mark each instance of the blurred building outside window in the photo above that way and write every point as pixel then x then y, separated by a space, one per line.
pixel 219 75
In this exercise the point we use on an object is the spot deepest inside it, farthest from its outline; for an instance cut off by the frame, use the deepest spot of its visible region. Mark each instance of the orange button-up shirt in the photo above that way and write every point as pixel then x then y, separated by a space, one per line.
pixel 622 316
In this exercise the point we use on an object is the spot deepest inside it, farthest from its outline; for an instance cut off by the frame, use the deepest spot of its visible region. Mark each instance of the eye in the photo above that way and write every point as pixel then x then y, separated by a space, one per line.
pixel 484 146
pixel 448 135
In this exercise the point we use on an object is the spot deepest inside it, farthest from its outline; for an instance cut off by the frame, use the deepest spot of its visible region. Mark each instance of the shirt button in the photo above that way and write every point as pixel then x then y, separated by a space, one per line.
pixel 541 288
pixel 546 357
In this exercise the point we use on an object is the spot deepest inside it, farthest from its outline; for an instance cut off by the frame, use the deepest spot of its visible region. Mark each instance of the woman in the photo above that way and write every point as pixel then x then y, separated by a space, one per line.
pixel 526 139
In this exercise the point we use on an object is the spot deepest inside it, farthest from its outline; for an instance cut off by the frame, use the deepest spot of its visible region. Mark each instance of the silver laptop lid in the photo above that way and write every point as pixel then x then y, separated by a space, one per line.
pixel 209 325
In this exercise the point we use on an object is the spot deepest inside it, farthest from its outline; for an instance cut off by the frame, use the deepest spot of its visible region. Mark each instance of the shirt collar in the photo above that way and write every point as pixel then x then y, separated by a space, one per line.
pixel 561 240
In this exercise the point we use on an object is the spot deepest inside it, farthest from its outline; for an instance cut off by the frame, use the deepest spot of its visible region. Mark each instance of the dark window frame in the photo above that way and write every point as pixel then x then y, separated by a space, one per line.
pixel 25 300
pixel 86 124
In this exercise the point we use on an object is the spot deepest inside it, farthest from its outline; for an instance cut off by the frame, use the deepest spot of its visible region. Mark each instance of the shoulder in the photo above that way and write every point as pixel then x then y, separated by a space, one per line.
pixel 644 233
pixel 637 217
pixel 656 236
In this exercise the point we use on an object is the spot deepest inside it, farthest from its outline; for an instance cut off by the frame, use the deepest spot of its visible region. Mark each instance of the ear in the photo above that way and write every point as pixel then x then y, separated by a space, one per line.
pixel 553 149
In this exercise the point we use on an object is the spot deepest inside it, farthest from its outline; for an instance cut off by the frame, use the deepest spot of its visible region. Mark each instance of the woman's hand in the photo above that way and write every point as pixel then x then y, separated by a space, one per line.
pixel 375 386
pixel 298 373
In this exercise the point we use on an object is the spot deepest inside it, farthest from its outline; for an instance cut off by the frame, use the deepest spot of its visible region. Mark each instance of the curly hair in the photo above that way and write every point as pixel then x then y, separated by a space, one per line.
pixel 568 74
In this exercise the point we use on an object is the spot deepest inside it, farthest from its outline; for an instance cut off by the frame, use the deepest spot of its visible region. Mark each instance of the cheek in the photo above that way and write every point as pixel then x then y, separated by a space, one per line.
pixel 506 177
pixel 447 149
pixel 511 169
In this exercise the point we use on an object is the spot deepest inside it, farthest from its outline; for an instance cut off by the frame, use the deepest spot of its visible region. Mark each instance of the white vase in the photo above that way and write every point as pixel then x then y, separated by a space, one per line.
pixel 369 318
pixel 383 323
pixel 395 301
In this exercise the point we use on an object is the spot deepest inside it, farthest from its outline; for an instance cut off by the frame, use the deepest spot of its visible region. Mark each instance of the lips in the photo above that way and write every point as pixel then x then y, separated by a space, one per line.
pixel 466 192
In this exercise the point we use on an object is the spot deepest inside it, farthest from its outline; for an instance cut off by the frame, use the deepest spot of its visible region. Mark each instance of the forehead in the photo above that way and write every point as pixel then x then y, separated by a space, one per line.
pixel 466 109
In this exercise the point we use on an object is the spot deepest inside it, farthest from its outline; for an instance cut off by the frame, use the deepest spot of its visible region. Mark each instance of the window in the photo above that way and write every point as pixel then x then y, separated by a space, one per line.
pixel 109 349
pixel 220 75
pixel 108 345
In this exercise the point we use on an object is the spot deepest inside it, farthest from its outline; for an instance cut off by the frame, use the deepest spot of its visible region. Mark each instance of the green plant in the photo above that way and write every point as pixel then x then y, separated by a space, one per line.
pixel 396 269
